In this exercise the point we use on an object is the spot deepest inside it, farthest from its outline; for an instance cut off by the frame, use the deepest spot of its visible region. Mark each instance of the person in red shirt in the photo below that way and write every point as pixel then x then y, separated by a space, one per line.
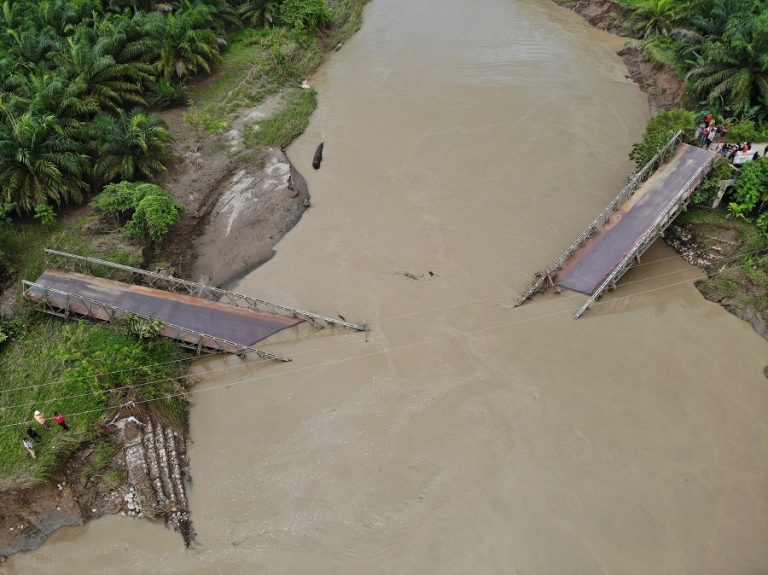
pixel 709 118
pixel 58 418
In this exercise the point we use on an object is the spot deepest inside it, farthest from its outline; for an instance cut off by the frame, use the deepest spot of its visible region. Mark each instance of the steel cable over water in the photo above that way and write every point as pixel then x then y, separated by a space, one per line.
pixel 370 354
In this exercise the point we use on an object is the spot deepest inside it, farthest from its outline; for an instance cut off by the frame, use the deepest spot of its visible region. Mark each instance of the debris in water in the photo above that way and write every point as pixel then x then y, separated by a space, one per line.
pixel 318 156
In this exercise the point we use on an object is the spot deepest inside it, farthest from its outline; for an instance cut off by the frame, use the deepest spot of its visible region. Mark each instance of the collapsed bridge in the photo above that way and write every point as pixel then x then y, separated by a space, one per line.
pixel 203 318
pixel 617 238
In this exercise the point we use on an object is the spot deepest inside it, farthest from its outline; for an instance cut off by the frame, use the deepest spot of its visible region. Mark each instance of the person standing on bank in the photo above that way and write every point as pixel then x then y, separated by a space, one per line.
pixel 40 418
pixel 58 418
pixel 34 434
pixel 29 447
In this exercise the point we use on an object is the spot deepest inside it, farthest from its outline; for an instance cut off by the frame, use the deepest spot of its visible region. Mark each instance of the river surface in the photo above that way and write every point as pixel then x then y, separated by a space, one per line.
pixel 474 140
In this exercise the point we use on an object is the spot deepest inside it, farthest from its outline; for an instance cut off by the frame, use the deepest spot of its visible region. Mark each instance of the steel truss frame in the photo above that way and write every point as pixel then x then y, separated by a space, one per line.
pixel 41 296
pixel 635 181
pixel 173 284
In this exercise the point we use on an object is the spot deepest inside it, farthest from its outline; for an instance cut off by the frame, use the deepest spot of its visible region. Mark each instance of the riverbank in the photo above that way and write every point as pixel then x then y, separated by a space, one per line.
pixel 240 192
pixel 704 237
pixel 664 89
pixel 733 253
pixel 240 196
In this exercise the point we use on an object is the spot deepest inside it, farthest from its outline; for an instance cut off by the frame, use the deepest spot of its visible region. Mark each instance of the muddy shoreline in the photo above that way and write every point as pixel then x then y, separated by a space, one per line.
pixel 663 88
pixel 665 91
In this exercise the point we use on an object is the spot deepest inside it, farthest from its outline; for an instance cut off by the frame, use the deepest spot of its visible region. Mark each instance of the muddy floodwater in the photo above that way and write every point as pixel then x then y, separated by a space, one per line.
pixel 474 140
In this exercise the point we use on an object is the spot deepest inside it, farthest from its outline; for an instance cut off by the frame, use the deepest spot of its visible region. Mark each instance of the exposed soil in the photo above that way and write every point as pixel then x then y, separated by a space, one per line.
pixel 238 202
pixel 697 243
pixel 664 89
pixel 152 461
pixel 713 248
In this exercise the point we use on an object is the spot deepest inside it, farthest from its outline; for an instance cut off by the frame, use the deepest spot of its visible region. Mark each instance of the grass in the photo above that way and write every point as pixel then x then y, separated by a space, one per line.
pixel 53 366
pixel 101 457
pixel 111 480
pixel 282 128
pixel 266 61
pixel 30 239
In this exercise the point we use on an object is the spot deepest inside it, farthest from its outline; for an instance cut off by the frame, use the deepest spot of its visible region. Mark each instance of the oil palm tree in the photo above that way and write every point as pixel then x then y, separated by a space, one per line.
pixel 183 42
pixel 657 17
pixel 733 70
pixel 95 77
pixel 40 163
pixel 129 145
pixel 259 12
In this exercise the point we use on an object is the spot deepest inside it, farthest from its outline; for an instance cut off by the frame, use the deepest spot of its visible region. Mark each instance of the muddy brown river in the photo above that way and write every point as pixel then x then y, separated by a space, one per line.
pixel 474 140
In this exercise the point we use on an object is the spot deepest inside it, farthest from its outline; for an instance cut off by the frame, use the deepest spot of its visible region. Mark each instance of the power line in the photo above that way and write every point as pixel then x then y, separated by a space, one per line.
pixel 171 378
pixel 138 385
pixel 397 316
pixel 379 352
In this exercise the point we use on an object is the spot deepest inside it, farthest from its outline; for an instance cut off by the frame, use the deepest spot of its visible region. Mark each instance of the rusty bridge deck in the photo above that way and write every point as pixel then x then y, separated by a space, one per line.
pixel 196 316
pixel 196 321
pixel 641 212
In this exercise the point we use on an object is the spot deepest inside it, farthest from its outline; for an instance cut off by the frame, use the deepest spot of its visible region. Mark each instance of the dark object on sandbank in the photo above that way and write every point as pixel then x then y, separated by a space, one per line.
pixel 318 156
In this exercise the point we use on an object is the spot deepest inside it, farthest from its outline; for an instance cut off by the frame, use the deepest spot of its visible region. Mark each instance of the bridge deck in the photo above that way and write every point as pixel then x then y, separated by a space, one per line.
pixel 588 268
pixel 238 325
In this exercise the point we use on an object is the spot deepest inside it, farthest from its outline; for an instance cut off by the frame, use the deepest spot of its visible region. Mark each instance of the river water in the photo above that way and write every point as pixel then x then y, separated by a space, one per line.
pixel 474 140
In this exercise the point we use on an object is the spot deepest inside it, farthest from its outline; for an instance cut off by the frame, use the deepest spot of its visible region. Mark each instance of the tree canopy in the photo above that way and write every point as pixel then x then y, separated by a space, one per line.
pixel 75 76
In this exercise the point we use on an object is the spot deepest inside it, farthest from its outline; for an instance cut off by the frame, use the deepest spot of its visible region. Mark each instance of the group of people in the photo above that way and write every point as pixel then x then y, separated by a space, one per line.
pixel 34 436
pixel 741 153
pixel 709 130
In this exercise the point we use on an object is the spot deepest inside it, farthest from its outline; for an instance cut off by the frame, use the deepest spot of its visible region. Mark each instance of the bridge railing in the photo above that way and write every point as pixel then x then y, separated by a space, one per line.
pixel 65 304
pixel 176 285
pixel 657 227
pixel 634 183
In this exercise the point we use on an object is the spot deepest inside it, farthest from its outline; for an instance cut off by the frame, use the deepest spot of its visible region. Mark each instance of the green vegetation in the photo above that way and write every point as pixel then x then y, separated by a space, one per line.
pixel 720 47
pixel 100 458
pixel 75 74
pixel 285 126
pixel 743 278
pixel 151 209
pixel 80 370
pixel 751 194
pixel 659 131
pixel 79 81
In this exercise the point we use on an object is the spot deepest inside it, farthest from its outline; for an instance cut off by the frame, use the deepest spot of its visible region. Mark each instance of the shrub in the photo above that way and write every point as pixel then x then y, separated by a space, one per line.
pixel 305 14
pixel 9 329
pixel 751 193
pixel 708 189
pixel 166 94
pixel 144 328
pixel 154 216
pixel 658 132
pixel 747 131
pixel 123 197
pixel 152 209
pixel 45 214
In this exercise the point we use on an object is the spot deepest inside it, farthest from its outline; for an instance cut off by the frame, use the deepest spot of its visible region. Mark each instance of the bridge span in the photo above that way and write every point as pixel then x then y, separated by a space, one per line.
pixel 617 238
